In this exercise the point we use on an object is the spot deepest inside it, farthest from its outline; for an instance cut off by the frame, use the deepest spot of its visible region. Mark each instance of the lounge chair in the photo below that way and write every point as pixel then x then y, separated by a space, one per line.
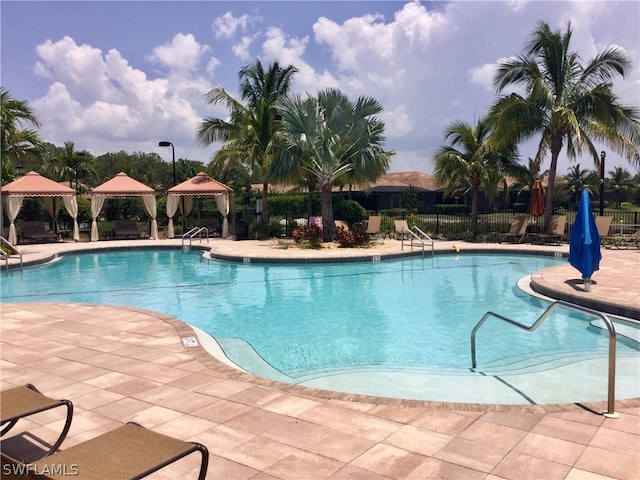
pixel 341 224
pixel 603 224
pixel 557 226
pixel 625 242
pixel 126 229
pixel 129 451
pixel 36 231
pixel 373 225
pixel 20 402
pixel 211 224
pixel 518 228
pixel 402 228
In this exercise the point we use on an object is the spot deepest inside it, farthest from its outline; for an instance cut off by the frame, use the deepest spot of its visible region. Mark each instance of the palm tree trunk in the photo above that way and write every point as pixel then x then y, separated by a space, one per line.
pixel 548 206
pixel 328 227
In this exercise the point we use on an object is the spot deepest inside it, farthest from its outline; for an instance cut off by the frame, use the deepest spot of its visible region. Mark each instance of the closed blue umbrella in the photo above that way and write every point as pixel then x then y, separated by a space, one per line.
pixel 584 244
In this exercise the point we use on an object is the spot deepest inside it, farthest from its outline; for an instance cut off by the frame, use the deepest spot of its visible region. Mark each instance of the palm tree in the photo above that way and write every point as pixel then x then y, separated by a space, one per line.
pixel 527 175
pixel 250 132
pixel 621 183
pixel 72 163
pixel 578 180
pixel 566 103
pixel 468 165
pixel 16 142
pixel 328 137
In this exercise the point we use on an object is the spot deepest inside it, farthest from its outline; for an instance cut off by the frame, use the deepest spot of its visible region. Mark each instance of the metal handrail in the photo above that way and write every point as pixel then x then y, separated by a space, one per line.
pixel 4 241
pixel 612 342
pixel 193 232
pixel 417 237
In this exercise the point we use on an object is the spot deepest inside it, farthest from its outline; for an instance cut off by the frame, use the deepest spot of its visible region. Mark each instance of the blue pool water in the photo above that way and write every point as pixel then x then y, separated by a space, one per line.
pixel 306 323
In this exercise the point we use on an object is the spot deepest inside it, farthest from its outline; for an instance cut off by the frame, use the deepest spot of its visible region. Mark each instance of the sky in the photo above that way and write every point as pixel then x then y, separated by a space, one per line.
pixel 123 75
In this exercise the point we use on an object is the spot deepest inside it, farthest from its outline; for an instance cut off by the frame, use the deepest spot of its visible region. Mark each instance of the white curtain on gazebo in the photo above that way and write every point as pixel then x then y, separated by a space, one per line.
pixel 14 204
pixel 71 204
pixel 149 204
pixel 97 202
pixel 172 207
pixel 222 202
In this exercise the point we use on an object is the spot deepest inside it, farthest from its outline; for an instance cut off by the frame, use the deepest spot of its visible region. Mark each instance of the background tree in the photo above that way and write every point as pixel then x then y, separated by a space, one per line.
pixel 565 104
pixel 71 164
pixel 16 141
pixel 468 165
pixel 250 133
pixel 527 175
pixel 621 184
pixel 577 180
pixel 326 137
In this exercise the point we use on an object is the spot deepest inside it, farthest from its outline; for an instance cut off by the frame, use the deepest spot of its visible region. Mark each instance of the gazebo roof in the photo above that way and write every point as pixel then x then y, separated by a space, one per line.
pixel 35 185
pixel 122 185
pixel 200 185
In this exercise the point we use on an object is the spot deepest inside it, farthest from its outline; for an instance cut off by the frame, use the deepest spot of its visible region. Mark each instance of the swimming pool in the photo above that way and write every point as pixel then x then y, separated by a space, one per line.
pixel 394 328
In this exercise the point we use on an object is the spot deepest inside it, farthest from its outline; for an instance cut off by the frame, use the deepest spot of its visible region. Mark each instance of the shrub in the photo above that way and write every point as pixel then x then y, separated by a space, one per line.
pixel 350 211
pixel 276 230
pixel 311 234
pixel 356 237
pixel 255 229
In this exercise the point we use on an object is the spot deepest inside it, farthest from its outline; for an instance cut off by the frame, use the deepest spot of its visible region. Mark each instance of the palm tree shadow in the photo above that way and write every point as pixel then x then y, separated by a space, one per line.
pixel 578 284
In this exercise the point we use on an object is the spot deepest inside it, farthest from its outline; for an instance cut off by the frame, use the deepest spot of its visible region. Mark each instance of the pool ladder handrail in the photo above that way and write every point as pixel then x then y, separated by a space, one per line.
pixel 610 413
pixel 195 231
pixel 13 248
pixel 420 237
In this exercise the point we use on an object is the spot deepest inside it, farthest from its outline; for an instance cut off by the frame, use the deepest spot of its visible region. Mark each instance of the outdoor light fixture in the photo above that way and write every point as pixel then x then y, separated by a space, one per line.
pixel 173 160
pixel 603 155
pixel 173 151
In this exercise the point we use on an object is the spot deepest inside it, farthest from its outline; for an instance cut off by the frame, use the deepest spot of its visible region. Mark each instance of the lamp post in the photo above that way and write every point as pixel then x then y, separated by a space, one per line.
pixel 603 155
pixel 173 161
pixel 173 152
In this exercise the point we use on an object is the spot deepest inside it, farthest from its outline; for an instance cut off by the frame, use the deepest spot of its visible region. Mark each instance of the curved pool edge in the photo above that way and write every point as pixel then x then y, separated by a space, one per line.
pixel 205 357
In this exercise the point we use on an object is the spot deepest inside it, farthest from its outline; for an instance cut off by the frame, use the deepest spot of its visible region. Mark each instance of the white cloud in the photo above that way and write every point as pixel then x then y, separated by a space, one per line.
pixel 182 55
pixel 227 26
pixel 121 108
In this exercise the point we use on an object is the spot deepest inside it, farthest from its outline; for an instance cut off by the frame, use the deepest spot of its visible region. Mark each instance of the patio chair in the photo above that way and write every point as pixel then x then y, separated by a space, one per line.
pixel 20 402
pixel 603 224
pixel 621 241
pixel 341 224
pixel 36 231
pixel 557 226
pixel 211 224
pixel 402 228
pixel 126 229
pixel 373 225
pixel 518 228
pixel 129 451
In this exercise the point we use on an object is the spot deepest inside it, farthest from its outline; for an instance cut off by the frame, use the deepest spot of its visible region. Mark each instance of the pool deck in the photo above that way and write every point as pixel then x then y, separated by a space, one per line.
pixel 123 364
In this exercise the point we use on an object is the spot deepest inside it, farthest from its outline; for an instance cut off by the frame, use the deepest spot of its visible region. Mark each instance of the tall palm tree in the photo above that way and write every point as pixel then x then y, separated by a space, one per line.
pixel 250 132
pixel 16 142
pixel 71 163
pixel 621 183
pixel 328 137
pixel 468 164
pixel 566 103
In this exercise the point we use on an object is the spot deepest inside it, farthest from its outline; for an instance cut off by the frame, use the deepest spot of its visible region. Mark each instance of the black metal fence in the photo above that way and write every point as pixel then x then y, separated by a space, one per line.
pixel 457 227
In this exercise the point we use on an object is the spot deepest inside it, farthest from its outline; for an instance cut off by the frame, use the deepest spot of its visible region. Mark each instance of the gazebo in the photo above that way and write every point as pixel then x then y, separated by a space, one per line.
pixel 123 185
pixel 202 185
pixel 35 185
